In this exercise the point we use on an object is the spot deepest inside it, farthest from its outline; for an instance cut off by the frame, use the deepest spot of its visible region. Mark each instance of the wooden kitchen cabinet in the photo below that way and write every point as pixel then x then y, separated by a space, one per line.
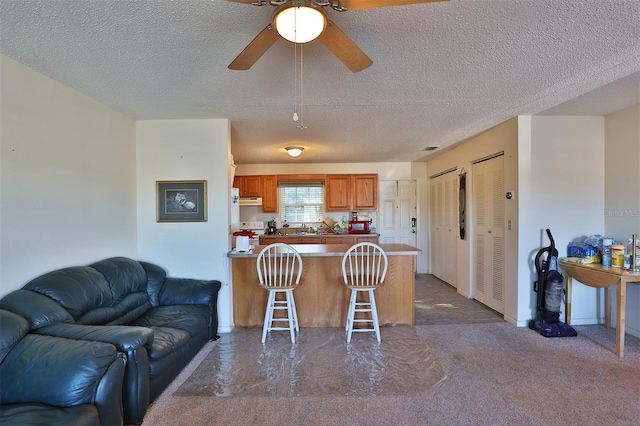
pixel 269 194
pixel 367 239
pixel 340 240
pixel 249 186
pixel 364 192
pixel 337 192
pixel 265 240
pixel 351 192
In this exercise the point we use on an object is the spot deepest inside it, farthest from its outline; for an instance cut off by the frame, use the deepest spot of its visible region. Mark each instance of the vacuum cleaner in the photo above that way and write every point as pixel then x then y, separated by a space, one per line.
pixel 549 289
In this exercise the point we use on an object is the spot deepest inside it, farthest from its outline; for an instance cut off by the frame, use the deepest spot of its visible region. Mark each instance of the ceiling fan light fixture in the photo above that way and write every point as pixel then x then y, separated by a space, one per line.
pixel 294 151
pixel 300 24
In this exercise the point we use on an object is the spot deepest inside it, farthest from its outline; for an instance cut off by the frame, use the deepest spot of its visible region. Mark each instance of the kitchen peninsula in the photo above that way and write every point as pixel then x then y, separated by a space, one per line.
pixel 322 298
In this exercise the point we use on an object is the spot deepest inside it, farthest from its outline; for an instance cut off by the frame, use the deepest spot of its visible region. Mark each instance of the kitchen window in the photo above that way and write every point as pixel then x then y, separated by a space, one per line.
pixel 301 202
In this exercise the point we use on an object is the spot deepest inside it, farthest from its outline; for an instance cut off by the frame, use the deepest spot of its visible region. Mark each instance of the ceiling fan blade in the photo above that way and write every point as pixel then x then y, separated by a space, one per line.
pixel 344 48
pixel 370 4
pixel 246 1
pixel 255 49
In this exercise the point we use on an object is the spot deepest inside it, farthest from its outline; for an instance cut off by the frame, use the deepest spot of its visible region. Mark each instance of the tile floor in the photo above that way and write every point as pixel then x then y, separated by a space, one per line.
pixel 437 302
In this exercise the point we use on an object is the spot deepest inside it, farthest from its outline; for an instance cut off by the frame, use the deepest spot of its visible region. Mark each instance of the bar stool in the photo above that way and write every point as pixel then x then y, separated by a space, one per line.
pixel 279 269
pixel 364 267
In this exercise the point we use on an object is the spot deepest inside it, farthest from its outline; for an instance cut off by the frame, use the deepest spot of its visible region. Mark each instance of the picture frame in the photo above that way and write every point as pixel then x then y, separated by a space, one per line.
pixel 181 201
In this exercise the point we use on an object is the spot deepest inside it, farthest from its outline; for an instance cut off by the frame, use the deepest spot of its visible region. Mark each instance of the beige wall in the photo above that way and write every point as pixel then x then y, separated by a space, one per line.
pixel 500 139
pixel 67 178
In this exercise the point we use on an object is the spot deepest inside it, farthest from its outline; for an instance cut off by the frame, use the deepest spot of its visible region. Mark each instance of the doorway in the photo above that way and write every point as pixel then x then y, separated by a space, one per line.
pixel 398 212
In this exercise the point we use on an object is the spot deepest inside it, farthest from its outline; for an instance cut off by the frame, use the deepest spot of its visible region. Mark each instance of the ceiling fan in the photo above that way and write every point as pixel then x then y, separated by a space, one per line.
pixel 295 12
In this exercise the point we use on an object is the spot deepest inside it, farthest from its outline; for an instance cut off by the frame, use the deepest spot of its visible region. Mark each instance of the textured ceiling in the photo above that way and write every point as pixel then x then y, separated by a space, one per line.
pixel 441 72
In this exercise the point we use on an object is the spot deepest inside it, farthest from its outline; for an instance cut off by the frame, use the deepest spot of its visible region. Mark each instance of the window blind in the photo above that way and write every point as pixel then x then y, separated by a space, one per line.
pixel 302 202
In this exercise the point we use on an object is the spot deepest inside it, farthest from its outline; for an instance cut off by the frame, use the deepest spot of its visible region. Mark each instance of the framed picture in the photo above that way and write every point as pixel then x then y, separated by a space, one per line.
pixel 181 201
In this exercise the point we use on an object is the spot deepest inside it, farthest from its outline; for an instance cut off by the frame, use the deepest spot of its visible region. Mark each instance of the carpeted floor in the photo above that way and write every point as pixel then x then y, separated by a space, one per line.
pixel 320 363
pixel 496 374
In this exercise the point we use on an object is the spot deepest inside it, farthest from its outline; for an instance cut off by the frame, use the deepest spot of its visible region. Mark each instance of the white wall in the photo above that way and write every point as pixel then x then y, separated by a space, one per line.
pixel 561 188
pixel 186 150
pixel 622 192
pixel 67 178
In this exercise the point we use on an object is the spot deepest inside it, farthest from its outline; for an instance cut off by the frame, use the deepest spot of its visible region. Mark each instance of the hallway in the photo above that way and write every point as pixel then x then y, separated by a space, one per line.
pixel 437 302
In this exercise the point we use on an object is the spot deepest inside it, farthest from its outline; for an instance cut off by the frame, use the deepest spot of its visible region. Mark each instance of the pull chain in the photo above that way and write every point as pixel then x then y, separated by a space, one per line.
pixel 295 81
pixel 301 126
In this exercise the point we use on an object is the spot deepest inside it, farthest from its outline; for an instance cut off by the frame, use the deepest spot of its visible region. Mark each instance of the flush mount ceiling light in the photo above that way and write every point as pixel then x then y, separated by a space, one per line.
pixel 298 22
pixel 294 151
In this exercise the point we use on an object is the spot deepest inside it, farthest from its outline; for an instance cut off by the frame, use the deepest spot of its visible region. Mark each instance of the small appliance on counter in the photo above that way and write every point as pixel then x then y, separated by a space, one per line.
pixel 251 231
pixel 242 244
pixel 359 226
pixel 272 229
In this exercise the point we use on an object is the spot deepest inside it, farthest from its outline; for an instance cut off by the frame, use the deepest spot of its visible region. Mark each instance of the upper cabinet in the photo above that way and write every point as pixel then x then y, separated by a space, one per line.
pixel 265 187
pixel 342 192
pixel 249 186
pixel 364 192
pixel 351 192
pixel 337 192
pixel 269 194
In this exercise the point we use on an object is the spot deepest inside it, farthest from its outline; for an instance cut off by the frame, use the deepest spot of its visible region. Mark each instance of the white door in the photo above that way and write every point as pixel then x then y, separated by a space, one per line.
pixel 444 227
pixel 488 232
pixel 397 212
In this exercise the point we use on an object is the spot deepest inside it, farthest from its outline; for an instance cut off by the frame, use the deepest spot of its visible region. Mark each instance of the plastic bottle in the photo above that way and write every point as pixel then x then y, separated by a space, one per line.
pixel 618 251
pixel 634 253
pixel 606 251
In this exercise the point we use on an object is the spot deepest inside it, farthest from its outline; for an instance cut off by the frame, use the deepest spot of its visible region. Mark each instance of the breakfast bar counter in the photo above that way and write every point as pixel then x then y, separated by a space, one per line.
pixel 322 298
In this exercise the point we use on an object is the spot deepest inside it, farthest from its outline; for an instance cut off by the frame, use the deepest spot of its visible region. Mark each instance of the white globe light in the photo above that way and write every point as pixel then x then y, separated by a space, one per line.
pixel 300 24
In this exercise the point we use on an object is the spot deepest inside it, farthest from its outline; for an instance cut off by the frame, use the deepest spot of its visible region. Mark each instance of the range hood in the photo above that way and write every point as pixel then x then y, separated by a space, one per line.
pixel 250 201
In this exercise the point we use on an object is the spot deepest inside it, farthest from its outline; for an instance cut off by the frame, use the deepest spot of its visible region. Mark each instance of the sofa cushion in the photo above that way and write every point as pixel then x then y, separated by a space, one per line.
pixel 41 414
pixel 39 310
pixel 128 310
pixel 167 341
pixel 12 328
pixel 156 277
pixel 191 318
pixel 78 289
pixel 125 277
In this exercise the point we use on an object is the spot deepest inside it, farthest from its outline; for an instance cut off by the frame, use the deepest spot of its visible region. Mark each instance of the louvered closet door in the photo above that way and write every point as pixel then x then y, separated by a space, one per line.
pixel 444 227
pixel 488 232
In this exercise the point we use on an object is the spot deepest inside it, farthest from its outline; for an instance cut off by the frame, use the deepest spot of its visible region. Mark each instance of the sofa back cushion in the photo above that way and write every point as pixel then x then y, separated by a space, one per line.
pixel 109 292
pixel 78 289
pixel 12 328
pixel 39 310
pixel 127 281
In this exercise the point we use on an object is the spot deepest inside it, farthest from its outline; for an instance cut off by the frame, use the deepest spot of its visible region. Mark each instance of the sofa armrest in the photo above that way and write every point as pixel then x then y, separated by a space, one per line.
pixel 184 291
pixel 134 342
pixel 60 372
pixel 108 399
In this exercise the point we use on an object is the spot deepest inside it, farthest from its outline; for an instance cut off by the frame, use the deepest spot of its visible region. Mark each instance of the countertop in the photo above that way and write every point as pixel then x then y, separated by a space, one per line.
pixel 321 235
pixel 331 250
